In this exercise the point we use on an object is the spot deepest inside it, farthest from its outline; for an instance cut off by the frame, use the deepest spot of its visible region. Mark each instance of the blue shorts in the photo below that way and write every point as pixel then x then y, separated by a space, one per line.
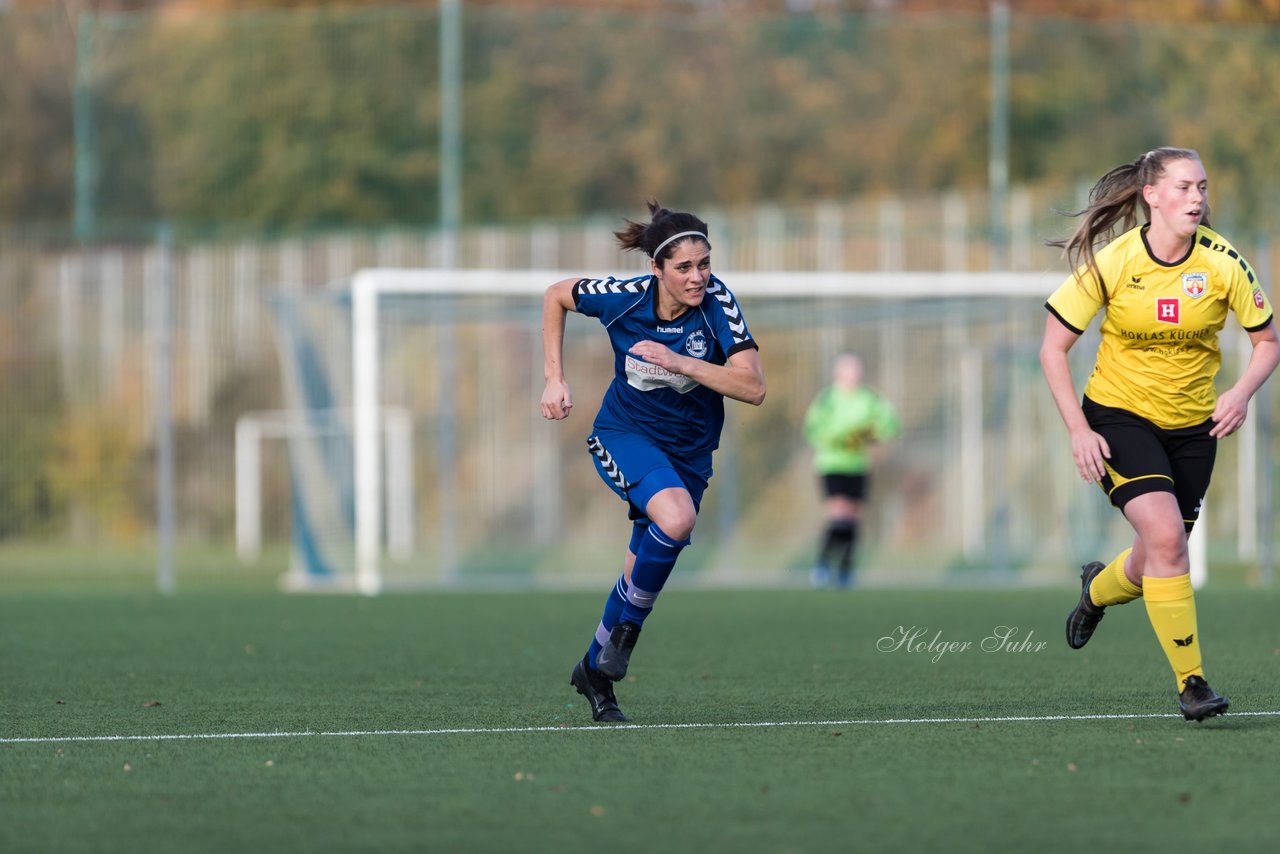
pixel 636 470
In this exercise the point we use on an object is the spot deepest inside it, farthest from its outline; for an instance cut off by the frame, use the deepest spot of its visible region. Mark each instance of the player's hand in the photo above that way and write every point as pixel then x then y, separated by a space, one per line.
pixel 557 400
pixel 1089 450
pixel 1229 414
pixel 658 354
pixel 857 439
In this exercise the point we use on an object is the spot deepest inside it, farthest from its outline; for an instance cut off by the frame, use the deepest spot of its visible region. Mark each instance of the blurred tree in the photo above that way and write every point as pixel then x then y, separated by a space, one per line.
pixel 36 69
pixel 279 121
pixel 28 496
pixel 328 117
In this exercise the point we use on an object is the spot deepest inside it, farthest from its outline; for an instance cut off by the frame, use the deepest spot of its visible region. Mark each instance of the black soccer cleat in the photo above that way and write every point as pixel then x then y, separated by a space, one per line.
pixel 599 693
pixel 1085 616
pixel 1198 701
pixel 615 655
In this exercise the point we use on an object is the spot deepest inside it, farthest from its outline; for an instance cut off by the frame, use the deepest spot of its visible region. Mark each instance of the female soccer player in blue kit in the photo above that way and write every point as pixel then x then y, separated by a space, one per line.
pixel 681 346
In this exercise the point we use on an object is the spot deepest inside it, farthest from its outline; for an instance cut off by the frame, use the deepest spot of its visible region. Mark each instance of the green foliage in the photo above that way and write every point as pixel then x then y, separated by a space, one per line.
pixel 309 119
pixel 328 117
pixel 36 147
pixel 30 391
pixel 89 470
pixel 26 494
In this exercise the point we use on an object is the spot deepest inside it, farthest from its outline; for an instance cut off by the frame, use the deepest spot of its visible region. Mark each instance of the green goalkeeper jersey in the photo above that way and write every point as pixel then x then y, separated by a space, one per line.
pixel 841 425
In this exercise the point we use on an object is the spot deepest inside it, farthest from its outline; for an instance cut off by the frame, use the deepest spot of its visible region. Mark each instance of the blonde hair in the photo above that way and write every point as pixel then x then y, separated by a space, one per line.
pixel 1113 208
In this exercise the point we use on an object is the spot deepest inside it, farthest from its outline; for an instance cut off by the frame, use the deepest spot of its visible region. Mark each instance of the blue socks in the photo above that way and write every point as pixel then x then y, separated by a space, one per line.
pixel 655 558
pixel 656 555
pixel 612 611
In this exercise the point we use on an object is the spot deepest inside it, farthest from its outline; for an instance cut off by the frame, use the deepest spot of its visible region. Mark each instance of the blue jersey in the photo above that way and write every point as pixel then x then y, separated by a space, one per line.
pixel 676 413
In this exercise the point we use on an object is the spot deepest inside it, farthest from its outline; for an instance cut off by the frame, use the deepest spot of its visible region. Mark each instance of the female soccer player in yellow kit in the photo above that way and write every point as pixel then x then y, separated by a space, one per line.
pixel 1148 426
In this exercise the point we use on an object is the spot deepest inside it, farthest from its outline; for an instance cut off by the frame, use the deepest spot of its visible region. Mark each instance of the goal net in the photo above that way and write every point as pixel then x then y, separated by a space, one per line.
pixel 979 486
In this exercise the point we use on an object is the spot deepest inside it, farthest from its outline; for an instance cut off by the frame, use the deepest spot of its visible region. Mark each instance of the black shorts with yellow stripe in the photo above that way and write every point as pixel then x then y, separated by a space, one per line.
pixel 1147 458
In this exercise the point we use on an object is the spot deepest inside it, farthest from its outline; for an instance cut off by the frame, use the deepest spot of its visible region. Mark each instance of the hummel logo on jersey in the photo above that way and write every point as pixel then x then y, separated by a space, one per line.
pixel 675 329
pixel 1183 641
pixel 612 286
pixel 607 463
pixel 732 313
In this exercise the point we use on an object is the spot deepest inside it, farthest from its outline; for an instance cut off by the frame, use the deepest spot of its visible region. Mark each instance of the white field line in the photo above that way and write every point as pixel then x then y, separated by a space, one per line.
pixel 213 736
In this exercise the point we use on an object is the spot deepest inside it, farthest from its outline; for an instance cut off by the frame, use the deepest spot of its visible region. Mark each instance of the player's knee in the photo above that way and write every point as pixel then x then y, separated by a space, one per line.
pixel 677 520
pixel 1167 548
pixel 680 524
pixel 674 512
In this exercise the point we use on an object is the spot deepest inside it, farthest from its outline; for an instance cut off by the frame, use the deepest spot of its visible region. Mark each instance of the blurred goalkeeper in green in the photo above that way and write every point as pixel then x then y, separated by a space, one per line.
pixel 842 424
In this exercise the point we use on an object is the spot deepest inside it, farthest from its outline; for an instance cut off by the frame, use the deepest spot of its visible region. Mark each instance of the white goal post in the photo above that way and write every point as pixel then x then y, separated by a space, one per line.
pixel 370 286
pixel 254 428
pixel 379 471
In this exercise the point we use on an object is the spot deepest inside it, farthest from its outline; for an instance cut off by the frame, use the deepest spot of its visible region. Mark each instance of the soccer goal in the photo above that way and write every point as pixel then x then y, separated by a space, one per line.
pixel 316 441
pixel 978 488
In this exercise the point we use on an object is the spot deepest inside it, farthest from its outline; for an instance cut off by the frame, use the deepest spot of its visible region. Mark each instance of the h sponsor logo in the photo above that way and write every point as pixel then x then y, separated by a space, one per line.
pixel 1168 310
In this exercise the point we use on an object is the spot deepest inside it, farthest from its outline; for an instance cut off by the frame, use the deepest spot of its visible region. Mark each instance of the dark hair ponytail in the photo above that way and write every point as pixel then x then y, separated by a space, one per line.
pixel 663 224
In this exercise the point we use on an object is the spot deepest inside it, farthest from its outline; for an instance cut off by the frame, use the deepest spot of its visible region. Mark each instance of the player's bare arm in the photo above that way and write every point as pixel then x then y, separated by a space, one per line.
pixel 1087 447
pixel 557 399
pixel 1233 404
pixel 742 378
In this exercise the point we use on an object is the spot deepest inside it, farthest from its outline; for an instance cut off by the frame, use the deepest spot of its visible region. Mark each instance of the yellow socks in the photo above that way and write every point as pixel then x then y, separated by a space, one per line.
pixel 1111 587
pixel 1171 607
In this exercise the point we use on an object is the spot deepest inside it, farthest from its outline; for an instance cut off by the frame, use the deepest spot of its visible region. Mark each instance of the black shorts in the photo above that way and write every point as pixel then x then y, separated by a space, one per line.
pixel 1147 458
pixel 851 486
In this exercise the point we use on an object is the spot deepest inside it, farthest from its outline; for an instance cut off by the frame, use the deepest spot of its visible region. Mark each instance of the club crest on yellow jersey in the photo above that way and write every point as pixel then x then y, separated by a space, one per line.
pixel 1195 284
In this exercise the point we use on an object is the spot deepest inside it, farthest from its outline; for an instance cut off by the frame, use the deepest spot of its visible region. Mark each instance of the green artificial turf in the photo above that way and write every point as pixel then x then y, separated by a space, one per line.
pixel 800 739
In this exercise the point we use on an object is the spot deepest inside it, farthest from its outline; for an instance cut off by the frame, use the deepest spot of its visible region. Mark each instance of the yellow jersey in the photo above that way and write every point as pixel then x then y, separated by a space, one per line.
pixel 1159 352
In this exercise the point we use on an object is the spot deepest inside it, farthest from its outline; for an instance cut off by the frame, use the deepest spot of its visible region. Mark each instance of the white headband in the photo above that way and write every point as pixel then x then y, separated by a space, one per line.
pixel 655 252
